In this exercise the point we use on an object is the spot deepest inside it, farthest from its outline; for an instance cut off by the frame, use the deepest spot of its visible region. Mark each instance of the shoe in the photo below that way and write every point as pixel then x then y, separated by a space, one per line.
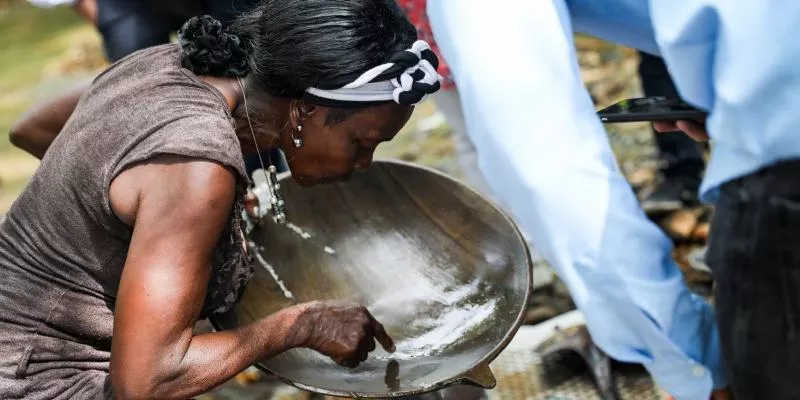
pixel 577 341
pixel 671 194
pixel 697 260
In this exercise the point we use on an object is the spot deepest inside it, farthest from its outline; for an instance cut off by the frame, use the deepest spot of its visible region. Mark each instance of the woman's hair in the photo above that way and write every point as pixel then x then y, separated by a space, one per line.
pixel 291 45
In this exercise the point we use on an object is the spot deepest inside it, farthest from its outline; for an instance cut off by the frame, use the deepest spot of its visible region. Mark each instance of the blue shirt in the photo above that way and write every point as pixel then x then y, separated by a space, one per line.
pixel 548 158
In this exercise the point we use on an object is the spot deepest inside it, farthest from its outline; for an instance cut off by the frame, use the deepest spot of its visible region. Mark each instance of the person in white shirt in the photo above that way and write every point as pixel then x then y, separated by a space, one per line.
pixel 536 129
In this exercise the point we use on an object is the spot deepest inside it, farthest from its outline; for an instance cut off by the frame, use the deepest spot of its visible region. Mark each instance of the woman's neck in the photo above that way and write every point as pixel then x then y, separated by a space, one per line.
pixel 264 113
pixel 229 87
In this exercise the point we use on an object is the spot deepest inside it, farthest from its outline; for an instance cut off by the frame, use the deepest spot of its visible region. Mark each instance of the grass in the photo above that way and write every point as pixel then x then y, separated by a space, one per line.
pixel 33 39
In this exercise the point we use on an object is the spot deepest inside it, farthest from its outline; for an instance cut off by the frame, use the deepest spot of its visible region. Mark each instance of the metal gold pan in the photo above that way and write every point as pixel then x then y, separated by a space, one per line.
pixel 440 266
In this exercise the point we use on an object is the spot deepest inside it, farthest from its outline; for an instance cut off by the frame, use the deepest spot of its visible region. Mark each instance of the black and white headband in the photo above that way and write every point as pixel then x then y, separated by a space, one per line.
pixel 407 79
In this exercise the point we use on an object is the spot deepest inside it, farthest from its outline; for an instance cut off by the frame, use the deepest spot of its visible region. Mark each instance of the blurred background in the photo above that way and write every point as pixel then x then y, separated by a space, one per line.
pixel 44 51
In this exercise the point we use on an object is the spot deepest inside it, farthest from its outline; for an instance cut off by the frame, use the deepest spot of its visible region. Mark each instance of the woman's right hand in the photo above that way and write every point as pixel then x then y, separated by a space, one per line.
pixel 342 330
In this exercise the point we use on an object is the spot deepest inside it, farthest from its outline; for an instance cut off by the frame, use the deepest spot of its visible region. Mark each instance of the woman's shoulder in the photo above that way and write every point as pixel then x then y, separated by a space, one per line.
pixel 197 135
pixel 147 104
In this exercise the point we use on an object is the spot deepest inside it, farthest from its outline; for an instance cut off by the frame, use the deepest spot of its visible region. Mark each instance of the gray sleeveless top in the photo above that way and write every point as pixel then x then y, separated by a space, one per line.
pixel 62 249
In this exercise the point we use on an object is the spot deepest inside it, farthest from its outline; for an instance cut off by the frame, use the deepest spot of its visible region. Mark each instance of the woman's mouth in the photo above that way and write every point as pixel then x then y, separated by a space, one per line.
pixel 335 179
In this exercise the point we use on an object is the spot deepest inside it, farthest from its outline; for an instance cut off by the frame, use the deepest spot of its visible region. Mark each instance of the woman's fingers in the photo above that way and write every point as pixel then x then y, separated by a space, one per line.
pixel 381 336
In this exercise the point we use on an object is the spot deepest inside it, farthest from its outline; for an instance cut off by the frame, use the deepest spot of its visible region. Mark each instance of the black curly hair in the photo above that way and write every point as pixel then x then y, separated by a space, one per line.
pixel 291 45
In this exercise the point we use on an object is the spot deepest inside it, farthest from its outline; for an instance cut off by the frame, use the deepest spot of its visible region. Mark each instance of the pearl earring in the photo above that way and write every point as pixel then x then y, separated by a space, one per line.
pixel 298 141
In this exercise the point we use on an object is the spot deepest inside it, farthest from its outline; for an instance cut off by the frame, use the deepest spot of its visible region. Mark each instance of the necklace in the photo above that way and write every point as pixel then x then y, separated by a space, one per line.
pixel 276 203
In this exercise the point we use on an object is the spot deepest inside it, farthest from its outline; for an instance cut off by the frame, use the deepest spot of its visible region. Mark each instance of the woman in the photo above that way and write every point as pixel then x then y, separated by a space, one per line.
pixel 131 226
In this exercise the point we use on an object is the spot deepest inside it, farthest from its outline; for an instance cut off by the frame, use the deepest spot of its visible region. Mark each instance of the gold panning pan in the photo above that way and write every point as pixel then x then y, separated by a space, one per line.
pixel 439 265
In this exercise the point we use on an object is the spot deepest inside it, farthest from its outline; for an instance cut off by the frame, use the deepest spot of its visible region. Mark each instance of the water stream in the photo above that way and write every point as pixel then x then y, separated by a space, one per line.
pixel 286 292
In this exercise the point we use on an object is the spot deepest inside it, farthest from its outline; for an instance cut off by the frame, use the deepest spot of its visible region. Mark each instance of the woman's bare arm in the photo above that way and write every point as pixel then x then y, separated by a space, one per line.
pixel 178 208
pixel 40 125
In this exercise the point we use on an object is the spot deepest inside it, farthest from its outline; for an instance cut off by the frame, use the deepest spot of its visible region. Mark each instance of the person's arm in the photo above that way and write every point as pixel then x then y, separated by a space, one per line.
pixel 548 158
pixel 87 9
pixel 178 208
pixel 40 125
pixel 694 129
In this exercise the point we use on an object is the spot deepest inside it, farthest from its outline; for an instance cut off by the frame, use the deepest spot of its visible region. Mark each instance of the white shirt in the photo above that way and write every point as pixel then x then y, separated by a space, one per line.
pixel 548 158
pixel 51 3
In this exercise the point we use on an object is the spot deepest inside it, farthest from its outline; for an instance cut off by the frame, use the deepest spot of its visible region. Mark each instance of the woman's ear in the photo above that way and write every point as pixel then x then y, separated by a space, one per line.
pixel 300 111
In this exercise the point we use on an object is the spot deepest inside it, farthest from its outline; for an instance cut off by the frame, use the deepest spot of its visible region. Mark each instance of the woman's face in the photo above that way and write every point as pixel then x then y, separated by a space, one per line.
pixel 333 148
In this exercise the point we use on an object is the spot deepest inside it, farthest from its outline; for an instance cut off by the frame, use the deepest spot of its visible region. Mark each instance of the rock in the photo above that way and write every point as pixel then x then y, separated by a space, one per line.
pixel 249 376
pixel 538 314
pixel 696 276
pixel 411 153
pixel 639 177
pixel 700 232
pixel 680 224
pixel 589 59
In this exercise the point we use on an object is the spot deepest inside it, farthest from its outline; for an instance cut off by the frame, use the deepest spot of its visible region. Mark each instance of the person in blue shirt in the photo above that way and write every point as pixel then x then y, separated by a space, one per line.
pixel 535 127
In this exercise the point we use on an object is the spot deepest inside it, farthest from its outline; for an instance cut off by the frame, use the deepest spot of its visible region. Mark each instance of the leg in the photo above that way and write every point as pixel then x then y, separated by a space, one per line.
pixel 755 256
pixel 127 27
pixel 681 155
pixel 227 10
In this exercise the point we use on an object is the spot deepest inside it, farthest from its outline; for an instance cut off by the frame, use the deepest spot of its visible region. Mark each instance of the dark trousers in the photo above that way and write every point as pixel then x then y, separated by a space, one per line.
pixel 682 155
pixel 131 25
pixel 754 251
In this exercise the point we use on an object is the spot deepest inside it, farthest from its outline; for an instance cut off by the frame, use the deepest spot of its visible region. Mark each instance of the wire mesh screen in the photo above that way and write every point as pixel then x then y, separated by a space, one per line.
pixel 522 375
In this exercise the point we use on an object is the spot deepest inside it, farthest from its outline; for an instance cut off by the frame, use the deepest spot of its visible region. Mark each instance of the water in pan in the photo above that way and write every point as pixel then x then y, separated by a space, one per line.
pixel 286 292
pixel 306 235
pixel 420 294
pixel 298 230
pixel 426 310
pixel 455 316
